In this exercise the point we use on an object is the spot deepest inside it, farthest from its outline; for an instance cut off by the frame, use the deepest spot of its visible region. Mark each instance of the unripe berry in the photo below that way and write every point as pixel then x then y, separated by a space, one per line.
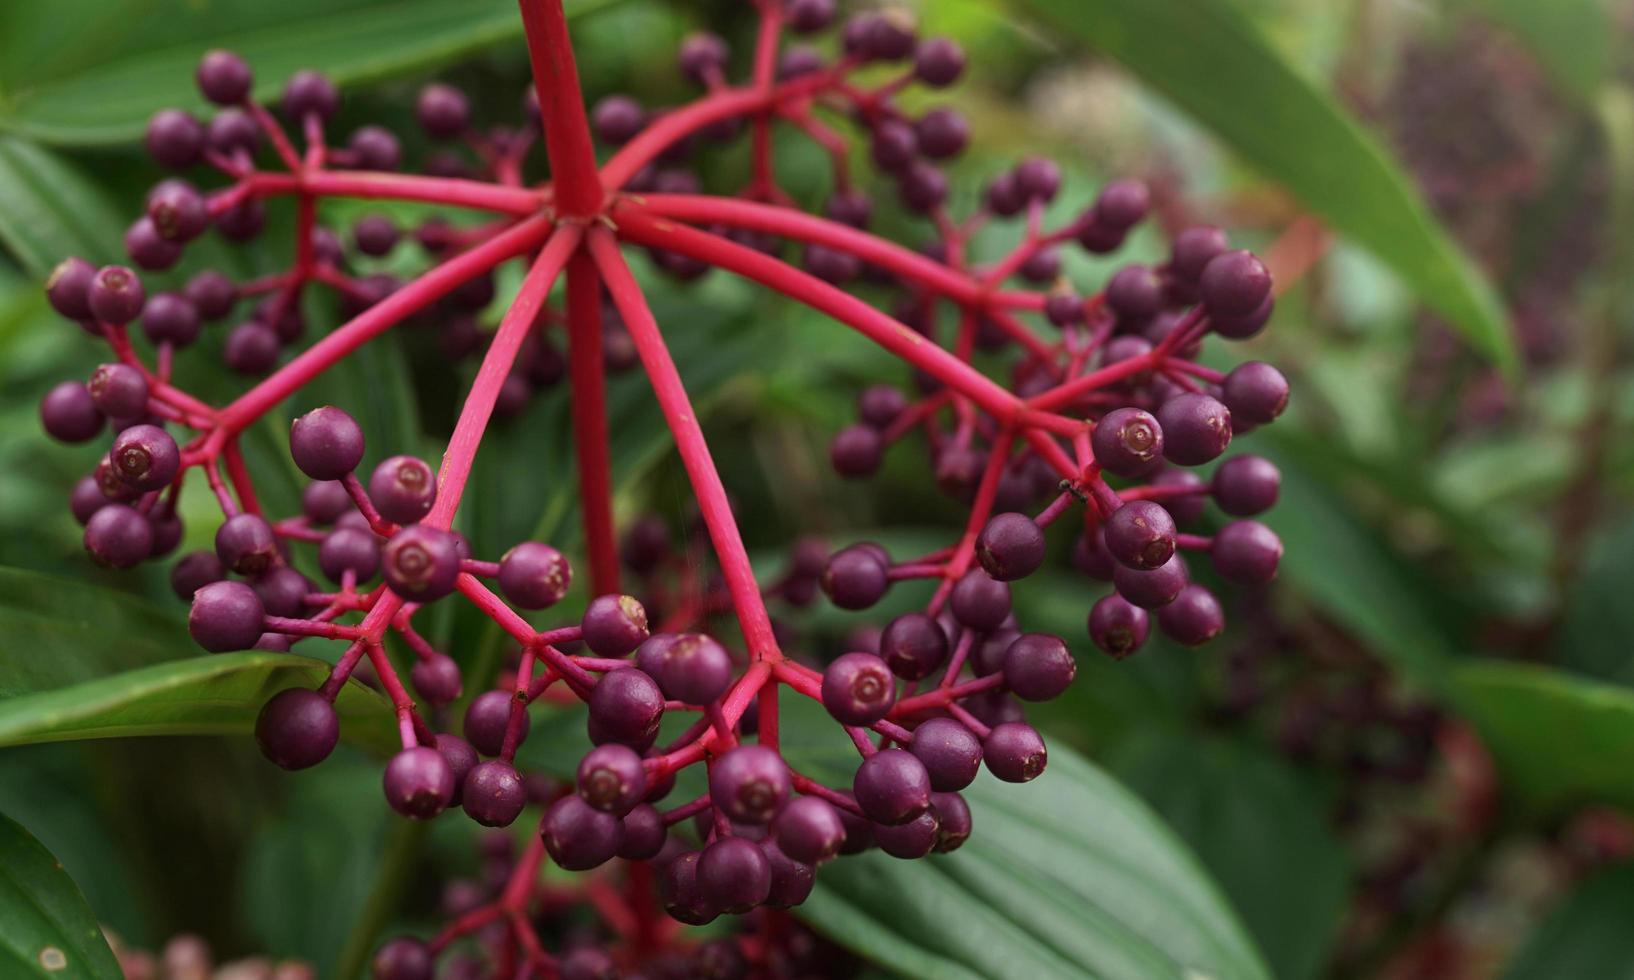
pixel 858 689
pixel 614 625
pixel 1014 752
pixel 421 563
pixel 1196 428
pixel 115 295
pixel 626 706
pixel 979 601
pixel 486 718
pixel 349 549
pixel 1151 588
pixel 1038 667
pixel 1118 626
pixel 611 778
pixel 1010 546
pixel 749 784
pixel 1127 442
pixel 246 544
pixel 950 752
pixel 913 646
pixel 579 837
pixel 809 830
pixel 1140 534
pixel 1246 552
pixel 118 536
pixel 145 457
pixel 297 729
pixel 892 787
pixel 493 793
pixel 418 782
pixel 68 413
pixel 403 489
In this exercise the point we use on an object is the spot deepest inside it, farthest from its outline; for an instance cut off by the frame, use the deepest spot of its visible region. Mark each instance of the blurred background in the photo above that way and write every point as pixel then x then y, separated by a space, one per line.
pixel 1408 758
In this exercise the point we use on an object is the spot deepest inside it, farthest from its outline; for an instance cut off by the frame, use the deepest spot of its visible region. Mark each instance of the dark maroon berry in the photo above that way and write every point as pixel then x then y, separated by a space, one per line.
pixel 734 875
pixel 283 591
pixel 682 897
pixel 908 841
pixel 892 787
pixel 894 146
pixel 611 778
pixel 749 784
pixel 442 111
pixel 224 77
pixel 913 646
pixel 880 405
pixel 1135 292
pixel 297 729
pixel 979 601
pixel 1196 428
pixel 1255 392
pixel 1038 179
pixel 1246 552
pixel 374 234
pixel 403 489
pixel 588 963
pixel 147 249
pixel 69 413
pixel 436 678
pixel 177 211
pixel 376 148
pixel 310 93
pixel 953 821
pixel 614 625
pixel 115 295
pixel 644 833
pixel 485 721
pixel 193 572
pixel 617 119
pixel 1014 752
pixel 251 348
pixel 119 391
pixel 118 536
pixel 421 563
pixel 1234 284
pixel 856 451
pixel 1151 588
pixel 534 575
pixel 850 207
pixel 939 62
pixel 349 549
pixel 579 837
pixel 942 133
pixel 326 443
pixel 1064 308
pixel 692 668
pixel 1038 667
pixel 211 294
pixel 233 132
pixel 246 544
pixel 807 16
pixel 809 830
pixel 858 689
pixel 792 880
pixel 493 793
pixel 1010 546
pixel 1194 248
pixel 171 318
pixel 167 531
pixel 1246 485
pixel 1140 534
pixel 68 288
pixel 174 138
pixel 418 782
pixel 145 457
pixel 1117 626
pixel 1127 442
pixel 1193 618
pixel 1043 266
pixel 950 752
pixel 404 958
pixel 225 616
pixel 922 187
pixel 855 578
pixel 626 706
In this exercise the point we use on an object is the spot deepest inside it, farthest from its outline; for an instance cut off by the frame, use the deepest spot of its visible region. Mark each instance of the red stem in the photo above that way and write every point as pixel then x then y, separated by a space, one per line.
pixel 591 444
pixel 561 109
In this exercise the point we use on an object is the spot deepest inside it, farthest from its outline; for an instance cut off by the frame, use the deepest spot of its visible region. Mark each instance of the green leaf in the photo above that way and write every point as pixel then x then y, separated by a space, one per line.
pixel 1068 876
pixel 1559 741
pixel 1209 60
pixel 109 98
pixel 46 929
pixel 1572 38
pixel 1586 936
pixel 50 210
pixel 1259 829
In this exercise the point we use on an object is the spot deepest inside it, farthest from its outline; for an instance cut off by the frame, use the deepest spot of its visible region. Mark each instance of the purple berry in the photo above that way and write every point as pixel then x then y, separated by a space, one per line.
pixel 69 413
pixel 1193 618
pixel 734 875
pixel 404 958
pixel 1151 588
pixel 493 793
pixel 855 578
pixel 950 752
pixel 749 784
pixel 806 16
pixel 1014 752
pixel 534 575
pixel 193 572
pixel 809 830
pixel 326 443
pixel 858 689
pixel 145 457
pixel 246 544
pixel 147 249
pixel 115 295
pixel 1038 667
pixel 68 288
pixel 692 668
pixel 233 132
pixel 856 452
pixel 1038 179
pixel 174 138
pixel 953 821
pixel 349 549
pixel 617 119
pixel 1140 534
pixel 1135 292
pixel 403 489
pixel 979 601
pixel 436 678
pixel 1246 552
pixel 1193 249
pixel 485 721
pixel 1255 392
pixel 792 880
pixel 442 111
pixel 1246 485
pixel 211 294
pixel 282 591
pixel 310 93
pixel 297 729
pixel 118 536
pixel 939 62
pixel 86 499
pixel 1196 428
pixel 702 56
pixel 626 706
pixel 418 782
pixel 171 318
pixel 225 616
pixel 374 234
pixel 908 841
pixel 1234 284
pixel 922 187
pixel 942 133
pixel 913 645
pixel 682 897
pixel 119 391
pixel 224 77
pixel 376 148
pixel 1010 546
pixel 251 348
pixel 892 787
pixel 611 778
pixel 1118 626
pixel 644 833
pixel 421 563
pixel 579 837
pixel 614 625
pixel 324 501
pixel 177 211
pixel 1127 442
pixel 1122 204
pixel 1184 508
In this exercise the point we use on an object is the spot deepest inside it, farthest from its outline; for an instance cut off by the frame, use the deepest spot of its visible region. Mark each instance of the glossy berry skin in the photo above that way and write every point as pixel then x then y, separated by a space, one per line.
pixel 118 391
pixel 614 625
pixel 118 536
pixel 855 578
pixel 403 489
pixel 1122 204
pixel 579 837
pixel 170 318
pixel 1010 546
pixel 734 875
pixel 611 778
pixel 486 718
pixel 856 451
pixel 1014 752
pixel 442 111
pixel 177 211
pixel 145 457
pixel 225 616
pixel 69 414
pixel 246 544
pixel 792 880
pixel 1234 284
pixel 297 729
pixel 809 830
pixel 892 787
pixel 1246 485
pixel 626 706
pixel 1246 552
pixel 1038 667
pixel 421 563
pixel 224 77
pixel 1127 442
pixel 404 958
pixel 148 249
pixel 953 821
pixel 193 572
pixel 211 294
pixel 1140 534
pixel 251 348
pixel 68 286
pixel 692 668
pixel 1194 248
pixel 938 62
pixel 1135 291
pixel 1196 428
pixel 913 645
pixel 493 793
pixel 115 295
pixel 908 841
pixel 1118 626
pixel 174 138
pixel 1151 588
pixel 326 443
pixel 644 833
pixel 950 752
pixel 534 575
pixel 418 782
pixel 1255 392
pixel 679 890
pixel 1193 618
pixel 980 602
pixel 858 689
pixel 436 678
pixel 325 501
pixel 349 549
pixel 749 784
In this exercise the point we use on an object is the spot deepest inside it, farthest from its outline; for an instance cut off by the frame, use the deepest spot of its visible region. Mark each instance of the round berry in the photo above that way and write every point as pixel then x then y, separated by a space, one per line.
pixel 147 249
pixel 734 875
pixel 617 119
pixel 856 451
pixel 68 288
pixel 282 590
pixel 86 499
pixel 211 294
pixel 1255 392
pixel 682 897
pixel 858 689
pixel 913 646
pixel 942 133
pixel 1140 534
pixel 403 489
pixel 979 601
pixel 1193 618
pixel 1118 626
pixel 1010 546
pixel 349 549
pixel 1196 428
pixel 626 706
pixel 1244 325
pixel 1246 552
pixel 486 719
pixel 193 572
pixel 174 138
pixel 1038 179
pixel 404 958
pixel 421 563
pixel 644 833
pixel 325 501
pixel 376 148
pixel 436 678
pixel 374 234
pixel 115 295
pixel 232 132
pixel 118 536
pixel 534 575
pixel 749 784
pixel 251 348
pixel 692 668
pixel 69 413
pixel 1014 752
pixel 892 787
pixel 145 457
pixel 809 830
pixel 310 93
pixel 611 778
pixel 171 318
pixel 953 821
pixel 1127 442
pixel 579 837
pixel 225 616
pixel 1135 292
pixel 1122 204
pixel 177 211
pixel 119 391
pixel 806 16
pixel 246 544
pixel 418 782
pixel 792 880
pixel 1187 507
pixel 297 729
pixel 614 625
pixel 442 111
pixel 224 77
pixel 922 187
pixel 855 578
pixel 950 752
pixel 1234 284
pixel 326 443
pixel 493 793
pixel 702 56
pixel 1194 248
pixel 588 963
pixel 1151 588
pixel 908 841
pixel 1246 485
pixel 939 62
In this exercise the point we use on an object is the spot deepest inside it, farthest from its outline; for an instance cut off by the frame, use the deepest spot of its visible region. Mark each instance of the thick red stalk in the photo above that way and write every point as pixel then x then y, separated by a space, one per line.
pixel 591 444
pixel 561 109
pixel 689 440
